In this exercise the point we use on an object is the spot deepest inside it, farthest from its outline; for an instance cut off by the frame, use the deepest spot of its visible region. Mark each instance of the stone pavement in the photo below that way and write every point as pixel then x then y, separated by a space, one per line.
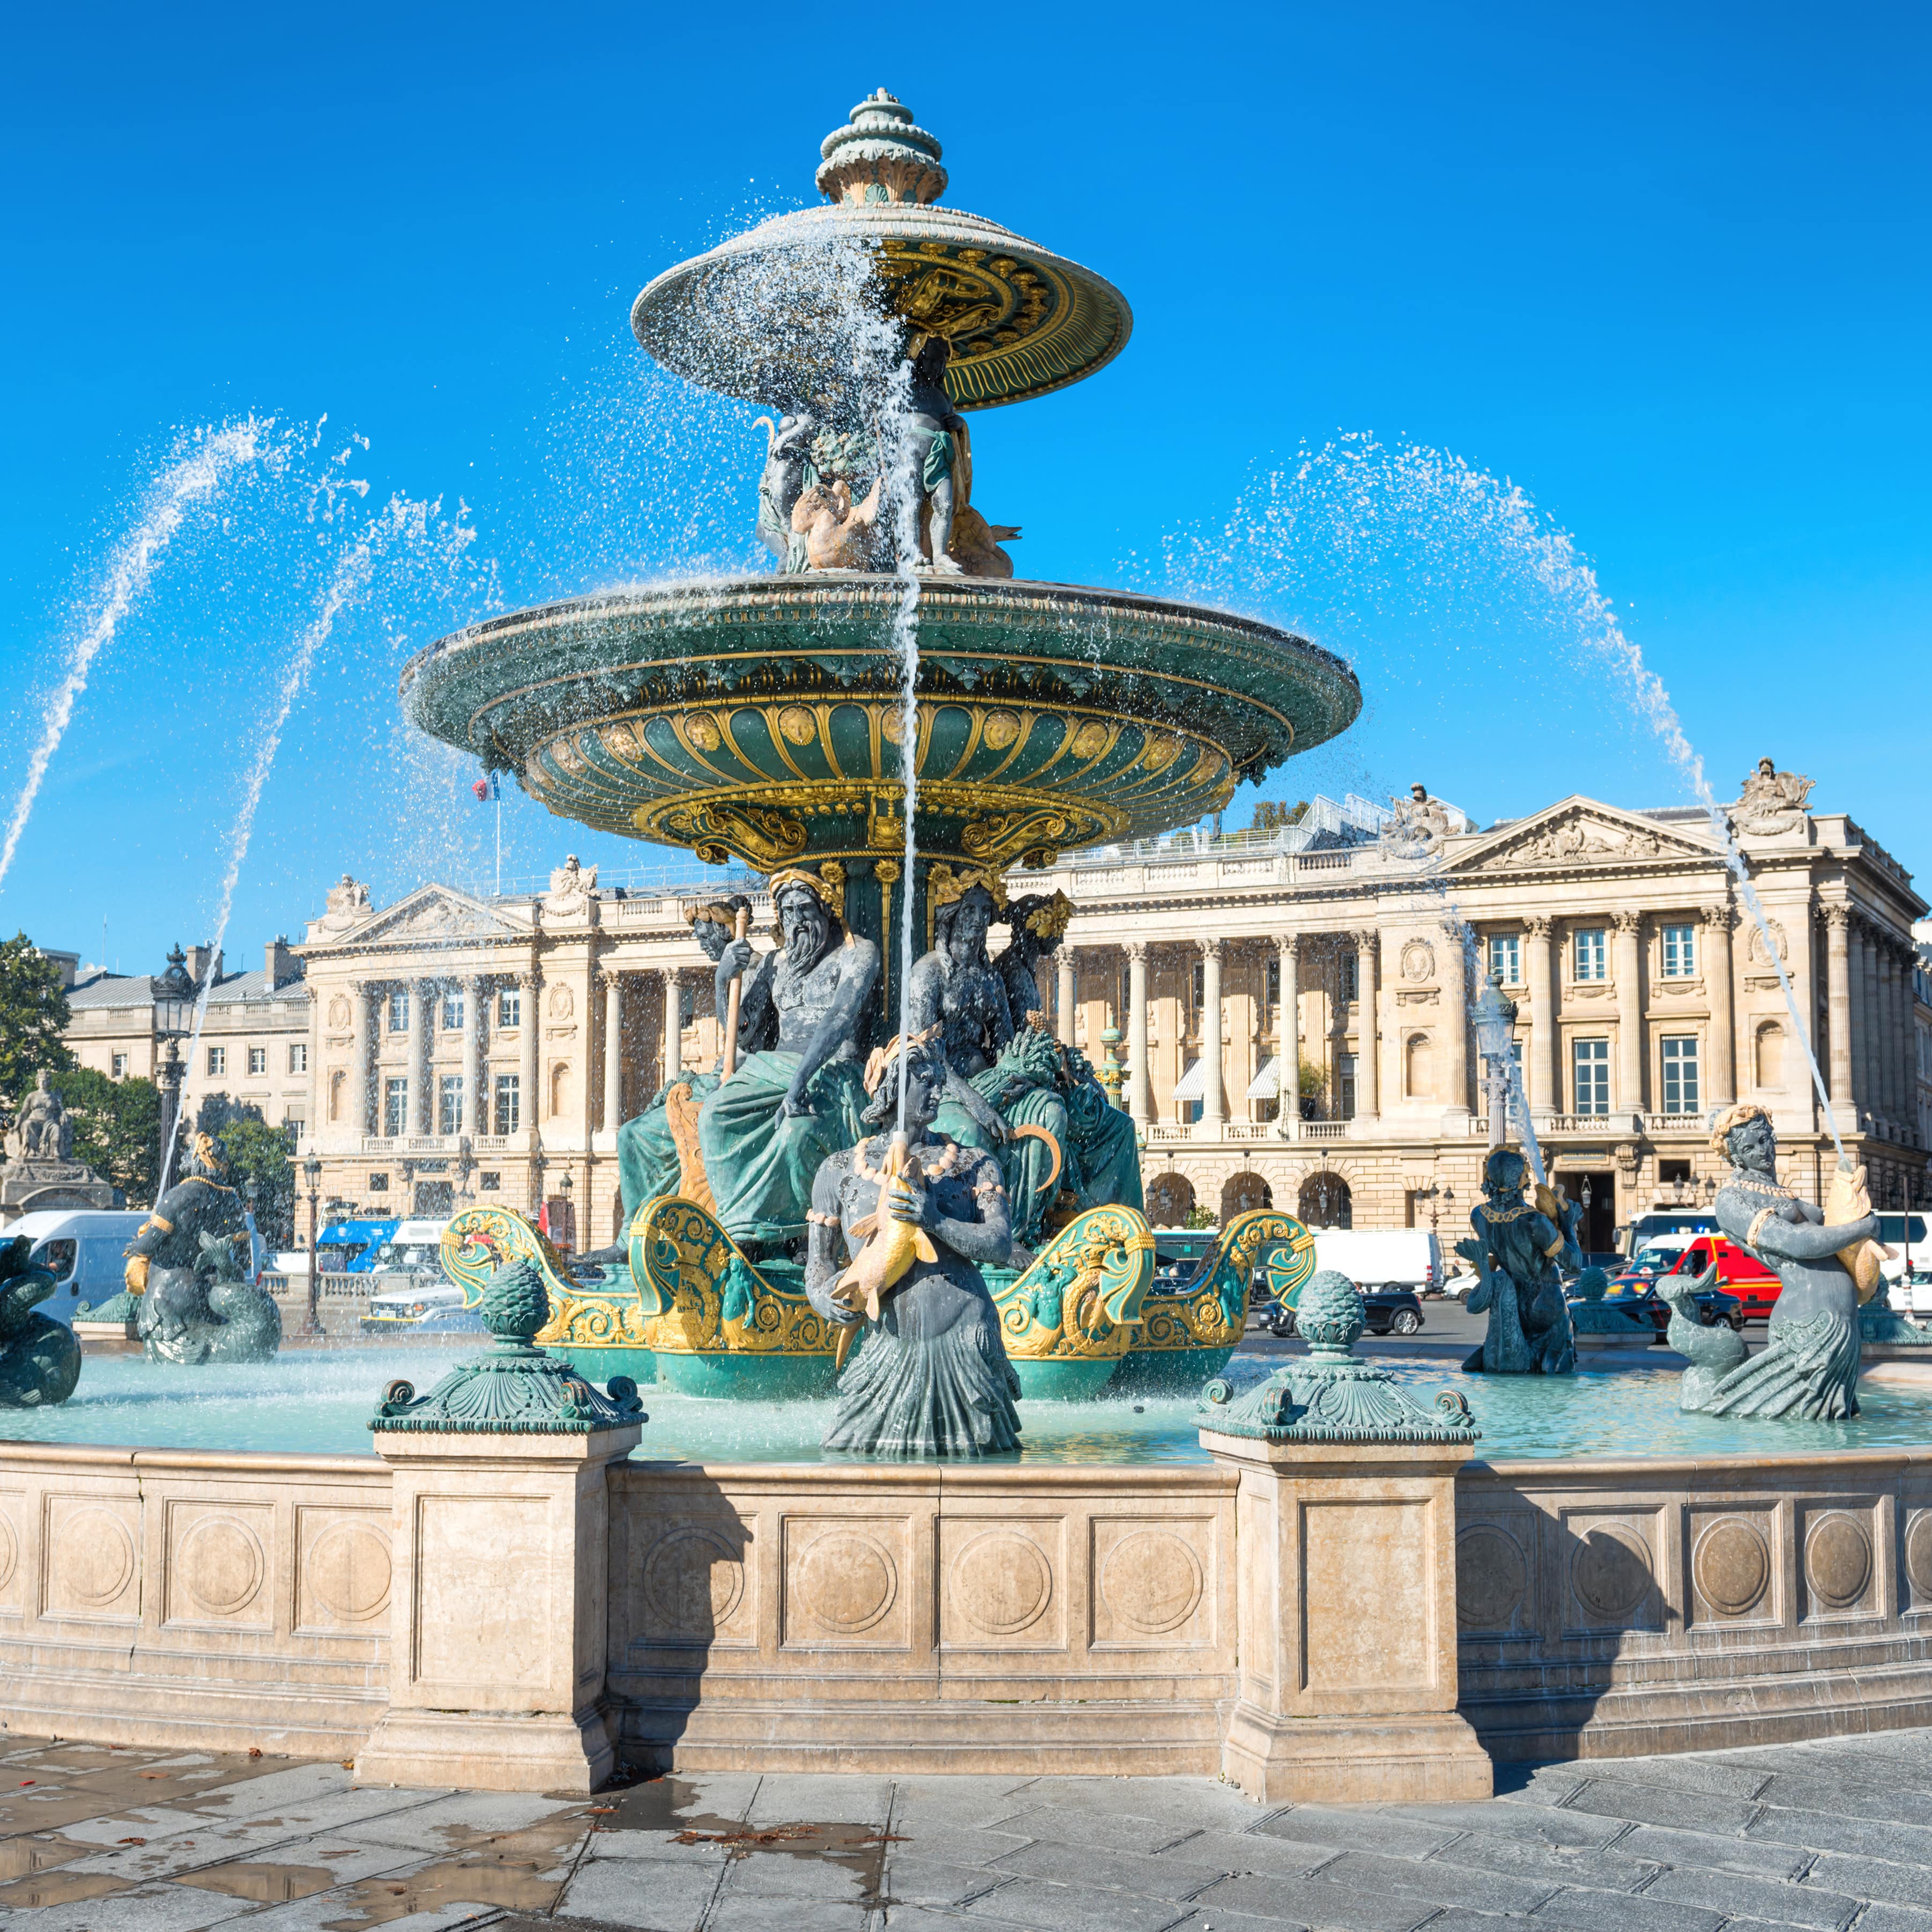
pixel 1827 1837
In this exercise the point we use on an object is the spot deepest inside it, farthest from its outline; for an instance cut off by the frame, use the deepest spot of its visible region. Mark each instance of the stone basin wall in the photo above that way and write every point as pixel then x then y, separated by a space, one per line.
pixel 1055 1616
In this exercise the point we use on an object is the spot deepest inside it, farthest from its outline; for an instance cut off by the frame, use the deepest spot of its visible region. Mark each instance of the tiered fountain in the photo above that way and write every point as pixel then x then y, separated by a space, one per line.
pixel 761 717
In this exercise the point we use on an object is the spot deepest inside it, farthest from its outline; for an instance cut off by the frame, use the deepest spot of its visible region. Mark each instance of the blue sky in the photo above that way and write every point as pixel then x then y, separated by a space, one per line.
pixel 1663 269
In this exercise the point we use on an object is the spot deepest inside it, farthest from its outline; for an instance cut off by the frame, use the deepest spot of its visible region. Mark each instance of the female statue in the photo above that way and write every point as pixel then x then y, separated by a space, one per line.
pixel 1809 1369
pixel 931 1378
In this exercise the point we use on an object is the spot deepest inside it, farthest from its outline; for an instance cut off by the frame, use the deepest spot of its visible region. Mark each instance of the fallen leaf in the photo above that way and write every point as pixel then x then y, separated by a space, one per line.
pixel 131 1841
pixel 152 1774
pixel 254 1751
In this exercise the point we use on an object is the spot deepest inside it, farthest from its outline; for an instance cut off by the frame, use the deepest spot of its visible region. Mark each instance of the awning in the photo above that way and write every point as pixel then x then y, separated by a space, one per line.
pixel 1266 1085
pixel 1192 1085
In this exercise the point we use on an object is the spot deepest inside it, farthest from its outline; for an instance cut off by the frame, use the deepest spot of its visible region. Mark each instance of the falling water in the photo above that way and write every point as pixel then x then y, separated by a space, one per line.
pixel 402 524
pixel 192 478
pixel 1355 528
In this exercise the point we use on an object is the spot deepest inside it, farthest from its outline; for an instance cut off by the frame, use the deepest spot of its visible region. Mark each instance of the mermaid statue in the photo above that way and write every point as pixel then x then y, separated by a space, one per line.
pixel 1828 1262
pixel 919 1219
pixel 1516 1249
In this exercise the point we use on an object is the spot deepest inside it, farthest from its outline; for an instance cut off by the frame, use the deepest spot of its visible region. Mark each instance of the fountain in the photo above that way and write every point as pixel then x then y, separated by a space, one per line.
pixel 763 720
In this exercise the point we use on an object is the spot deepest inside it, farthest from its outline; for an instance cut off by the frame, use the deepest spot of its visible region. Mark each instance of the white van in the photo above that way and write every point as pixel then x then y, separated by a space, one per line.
pixel 415 1248
pixel 1382 1257
pixel 86 1249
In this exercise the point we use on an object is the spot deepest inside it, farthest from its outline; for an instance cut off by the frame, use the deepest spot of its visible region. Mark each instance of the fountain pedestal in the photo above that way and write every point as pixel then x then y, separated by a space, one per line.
pixel 1345 1517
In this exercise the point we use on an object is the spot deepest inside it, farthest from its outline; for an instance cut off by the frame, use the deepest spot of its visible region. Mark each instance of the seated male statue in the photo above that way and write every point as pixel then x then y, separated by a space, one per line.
pixel 765 1131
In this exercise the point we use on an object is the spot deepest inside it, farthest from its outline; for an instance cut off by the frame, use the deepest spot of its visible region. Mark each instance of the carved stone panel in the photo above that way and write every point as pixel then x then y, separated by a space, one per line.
pixel 1914 1558
pixel 218 1564
pixel 1495 1567
pixel 467 1627
pixel 698 1587
pixel 14 1520
pixel 1839 1571
pixel 1365 1596
pixel 1002 1583
pixel 1610 1562
pixel 1734 1566
pixel 1151 1579
pixel 848 1582
pixel 343 1569
pixel 89 1564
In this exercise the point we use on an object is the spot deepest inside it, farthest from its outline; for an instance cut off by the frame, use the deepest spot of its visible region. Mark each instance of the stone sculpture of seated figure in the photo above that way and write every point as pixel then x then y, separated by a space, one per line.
pixel 931 1379
pixel 1809 1369
pixel 764 1132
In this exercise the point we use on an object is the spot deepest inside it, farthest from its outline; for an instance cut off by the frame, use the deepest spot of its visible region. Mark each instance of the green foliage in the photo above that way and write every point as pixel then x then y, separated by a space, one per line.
pixel 33 1014
pixel 259 1153
pixel 1200 1217
pixel 1309 1079
pixel 1273 814
pixel 117 1125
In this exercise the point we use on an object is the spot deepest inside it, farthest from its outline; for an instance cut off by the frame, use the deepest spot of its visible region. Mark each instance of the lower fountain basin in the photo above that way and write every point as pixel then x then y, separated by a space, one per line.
pixel 321 1401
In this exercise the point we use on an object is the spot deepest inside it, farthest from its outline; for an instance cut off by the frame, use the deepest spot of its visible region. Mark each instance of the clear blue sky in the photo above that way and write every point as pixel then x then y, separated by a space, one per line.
pixel 1665 268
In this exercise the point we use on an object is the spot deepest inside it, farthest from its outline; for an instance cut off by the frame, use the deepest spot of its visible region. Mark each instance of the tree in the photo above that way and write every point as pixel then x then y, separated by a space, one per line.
pixel 33 1018
pixel 257 1153
pixel 117 1125
pixel 1272 815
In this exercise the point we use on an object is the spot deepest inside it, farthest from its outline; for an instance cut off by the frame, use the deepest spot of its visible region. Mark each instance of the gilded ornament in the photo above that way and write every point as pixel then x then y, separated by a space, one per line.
pixel 1162 748
pixel 1003 729
pixel 701 729
pixel 1082 1299
pixel 798 725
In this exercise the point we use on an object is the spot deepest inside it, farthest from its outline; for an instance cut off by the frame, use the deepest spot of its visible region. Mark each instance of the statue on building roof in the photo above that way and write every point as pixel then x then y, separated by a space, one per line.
pixel 1421 822
pixel 348 904
pixel 1771 801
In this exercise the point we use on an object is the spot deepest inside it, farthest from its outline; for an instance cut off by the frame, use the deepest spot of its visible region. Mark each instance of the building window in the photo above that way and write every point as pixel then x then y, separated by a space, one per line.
pixel 1349 975
pixel 217 1060
pixel 298 1056
pixel 509 1103
pixel 396 1106
pixel 293 1127
pixel 1272 995
pixel 399 1009
pixel 379 1183
pixel 489 1181
pixel 1591 953
pixel 687 1005
pixel 452 1012
pixel 1680 952
pixel 1344 1071
pixel 1680 1074
pixel 509 1009
pixel 449 1104
pixel 1590 1063
pixel 258 1060
pixel 120 1066
pixel 1506 959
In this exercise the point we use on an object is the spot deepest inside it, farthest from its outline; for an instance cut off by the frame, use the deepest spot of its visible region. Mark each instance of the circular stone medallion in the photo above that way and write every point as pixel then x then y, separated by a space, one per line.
pixel 693 1581
pixel 1611 1573
pixel 221 1564
pixel 1838 1561
pixel 348 1570
pixel 1731 1565
pixel 1918 1554
pixel 846 1582
pixel 1151 1581
pixel 94 1557
pixel 1490 1577
pixel 1001 1583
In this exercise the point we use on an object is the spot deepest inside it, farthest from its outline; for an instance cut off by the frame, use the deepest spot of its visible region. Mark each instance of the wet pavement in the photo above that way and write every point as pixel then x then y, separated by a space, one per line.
pixel 1831 1837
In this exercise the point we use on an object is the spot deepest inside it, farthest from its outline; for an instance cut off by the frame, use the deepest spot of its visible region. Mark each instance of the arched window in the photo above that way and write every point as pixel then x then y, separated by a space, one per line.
pixel 1244 1191
pixel 1325 1202
pixel 1419 1067
pixel 1769 1069
pixel 1170 1200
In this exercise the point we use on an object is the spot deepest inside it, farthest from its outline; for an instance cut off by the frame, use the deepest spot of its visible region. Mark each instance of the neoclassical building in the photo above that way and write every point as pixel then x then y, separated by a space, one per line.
pixel 465 1049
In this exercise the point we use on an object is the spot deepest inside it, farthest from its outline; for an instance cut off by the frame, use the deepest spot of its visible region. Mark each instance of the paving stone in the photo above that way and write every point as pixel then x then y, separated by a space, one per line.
pixel 1202 1802
pixel 755 1915
pixel 1532 1823
pixel 1884 1917
pixel 1093 1828
pixel 446 1825
pixel 1818 1791
pixel 1832 1831
pixel 773 1875
pixel 1309 1902
pixel 1653 1804
pixel 1358 1829
pixel 954 1845
pixel 660 1845
pixel 148 1908
pixel 1737 1893
pixel 1619 1911
pixel 1561 1864
pixel 1173 1875
pixel 665 1896
pixel 915 1879
pixel 791 1797
pixel 329 1909
pixel 1224 1921
pixel 1696 1772
pixel 1481 1890
pixel 1901 1884
pixel 1066 1908
pixel 1259 1851
pixel 1662 1846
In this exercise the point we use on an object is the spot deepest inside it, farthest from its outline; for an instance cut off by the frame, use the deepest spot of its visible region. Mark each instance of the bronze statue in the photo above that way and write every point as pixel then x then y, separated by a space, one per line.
pixel 1517 1251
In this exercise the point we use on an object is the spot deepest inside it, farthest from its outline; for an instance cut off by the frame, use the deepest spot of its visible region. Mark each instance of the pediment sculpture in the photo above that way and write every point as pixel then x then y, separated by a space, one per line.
pixel 1771 802
pixel 348 905
pixel 572 887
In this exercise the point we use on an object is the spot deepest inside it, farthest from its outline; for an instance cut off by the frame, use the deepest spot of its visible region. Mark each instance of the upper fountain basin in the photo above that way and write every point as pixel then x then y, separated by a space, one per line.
pixel 766 316
pixel 757 717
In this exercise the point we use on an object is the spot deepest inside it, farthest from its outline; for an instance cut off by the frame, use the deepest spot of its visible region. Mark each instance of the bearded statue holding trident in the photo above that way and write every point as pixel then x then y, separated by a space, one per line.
pixel 919 1218
pixel 765 1127
pixel 1826 1258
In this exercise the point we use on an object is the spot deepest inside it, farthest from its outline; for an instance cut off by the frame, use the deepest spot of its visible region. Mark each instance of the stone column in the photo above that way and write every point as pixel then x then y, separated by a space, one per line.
pixel 1137 1032
pixel 529 1073
pixel 1065 992
pixel 613 1053
pixel 1213 1091
pixel 1288 1053
pixel 360 994
pixel 1540 971
pixel 419 1117
pixel 673 1032
pixel 476 1057
pixel 1455 1024
pixel 1628 968
pixel 1891 1054
pixel 1838 1007
pixel 1368 1056
pixel 1869 1096
pixel 1721 1077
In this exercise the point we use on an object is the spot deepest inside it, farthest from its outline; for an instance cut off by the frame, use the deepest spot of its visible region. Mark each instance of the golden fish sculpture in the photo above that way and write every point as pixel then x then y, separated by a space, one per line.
pixel 891 1248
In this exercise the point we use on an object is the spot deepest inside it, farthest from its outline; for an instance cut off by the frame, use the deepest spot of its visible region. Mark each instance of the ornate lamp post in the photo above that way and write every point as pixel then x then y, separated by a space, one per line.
pixel 569 1218
pixel 1495 1019
pixel 312 1173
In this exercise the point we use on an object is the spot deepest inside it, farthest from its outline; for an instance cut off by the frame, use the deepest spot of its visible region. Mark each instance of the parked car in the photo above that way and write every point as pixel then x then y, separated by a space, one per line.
pixel 1902 1237
pixel 1643 1302
pixel 415 1248
pixel 1656 1257
pixel 1385 1311
pixel 1912 1295
pixel 1739 1272
pixel 85 1247
pixel 1179 1254
pixel 431 1307
pixel 1372 1257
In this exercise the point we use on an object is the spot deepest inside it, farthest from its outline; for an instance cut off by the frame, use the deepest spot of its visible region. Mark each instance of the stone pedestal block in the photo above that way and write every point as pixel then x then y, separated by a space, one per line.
pixel 1347 1622
pixel 502 1582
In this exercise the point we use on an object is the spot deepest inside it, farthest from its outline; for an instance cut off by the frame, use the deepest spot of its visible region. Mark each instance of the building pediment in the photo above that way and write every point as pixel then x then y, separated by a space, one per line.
pixel 1579 831
pixel 437 913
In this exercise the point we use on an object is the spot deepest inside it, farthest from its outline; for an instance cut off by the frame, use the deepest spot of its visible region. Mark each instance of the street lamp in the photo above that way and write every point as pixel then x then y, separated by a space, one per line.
pixel 312 1173
pixel 569 1219
pixel 1494 1018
